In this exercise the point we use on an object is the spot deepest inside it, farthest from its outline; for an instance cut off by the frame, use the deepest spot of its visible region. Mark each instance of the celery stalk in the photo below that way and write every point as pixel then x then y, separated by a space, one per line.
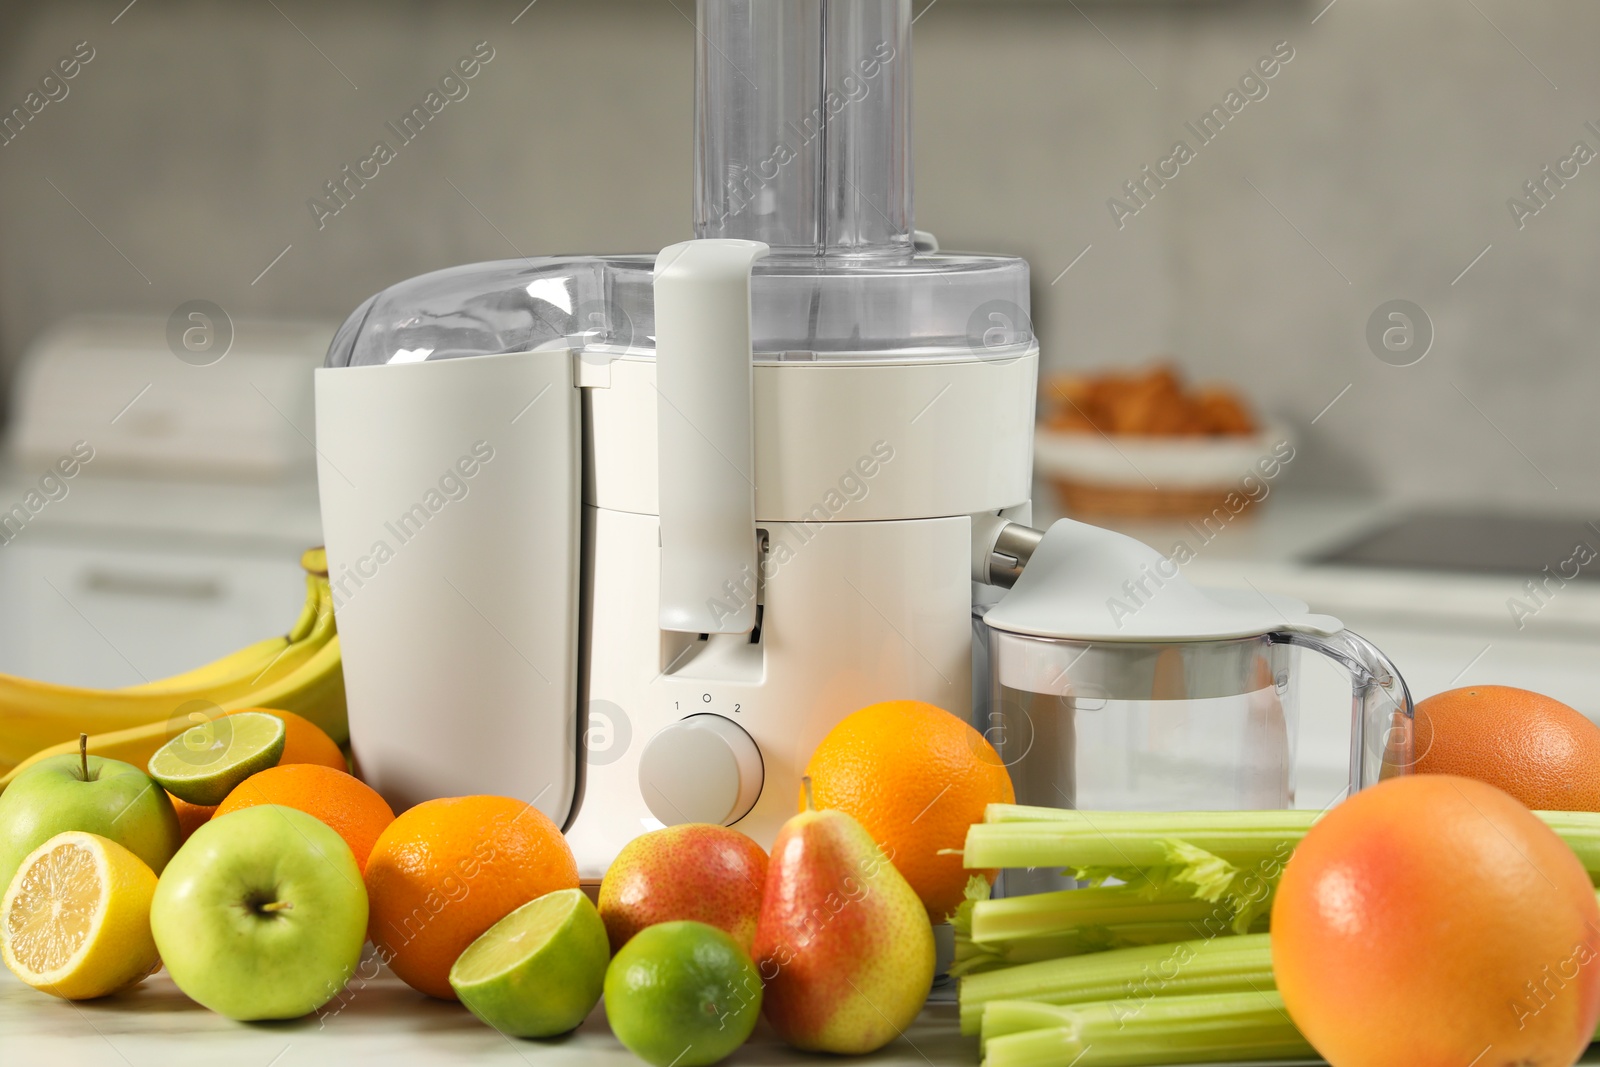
pixel 1206 1028
pixel 1067 910
pixel 1016 836
pixel 1581 831
pixel 1215 965
pixel 974 958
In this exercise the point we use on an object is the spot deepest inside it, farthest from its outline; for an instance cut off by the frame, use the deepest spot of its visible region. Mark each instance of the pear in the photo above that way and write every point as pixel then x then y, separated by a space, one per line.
pixel 843 943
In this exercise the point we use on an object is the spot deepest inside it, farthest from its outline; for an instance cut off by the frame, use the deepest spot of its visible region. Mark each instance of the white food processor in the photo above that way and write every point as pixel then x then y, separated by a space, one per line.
pixel 625 536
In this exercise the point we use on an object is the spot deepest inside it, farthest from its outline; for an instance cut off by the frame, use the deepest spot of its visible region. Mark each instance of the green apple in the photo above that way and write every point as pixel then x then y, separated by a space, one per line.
pixel 93 794
pixel 261 914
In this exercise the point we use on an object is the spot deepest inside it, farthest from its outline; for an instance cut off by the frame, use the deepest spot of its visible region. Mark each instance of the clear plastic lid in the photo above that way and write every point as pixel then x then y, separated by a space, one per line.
pixel 934 306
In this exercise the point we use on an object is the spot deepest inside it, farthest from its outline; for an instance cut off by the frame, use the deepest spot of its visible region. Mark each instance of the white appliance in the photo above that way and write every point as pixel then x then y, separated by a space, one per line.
pixel 624 536
pixel 153 508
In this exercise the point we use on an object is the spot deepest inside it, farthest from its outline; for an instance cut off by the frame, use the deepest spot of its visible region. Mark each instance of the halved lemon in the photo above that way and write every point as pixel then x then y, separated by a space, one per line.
pixel 75 921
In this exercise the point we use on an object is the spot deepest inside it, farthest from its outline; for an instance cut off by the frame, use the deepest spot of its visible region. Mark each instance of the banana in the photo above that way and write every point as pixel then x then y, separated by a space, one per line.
pixel 300 672
pixel 315 691
pixel 248 662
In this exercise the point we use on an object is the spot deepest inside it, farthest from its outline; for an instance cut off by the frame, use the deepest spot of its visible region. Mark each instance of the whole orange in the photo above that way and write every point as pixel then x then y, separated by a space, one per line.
pixel 447 870
pixel 1539 750
pixel 353 809
pixel 304 741
pixel 1431 918
pixel 916 777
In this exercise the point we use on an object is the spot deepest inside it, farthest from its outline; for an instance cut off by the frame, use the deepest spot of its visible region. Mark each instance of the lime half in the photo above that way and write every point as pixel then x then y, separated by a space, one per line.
pixel 682 993
pixel 204 763
pixel 539 971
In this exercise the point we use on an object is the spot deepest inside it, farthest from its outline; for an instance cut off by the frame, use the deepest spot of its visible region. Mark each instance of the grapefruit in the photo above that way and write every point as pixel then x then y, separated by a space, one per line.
pixel 1432 919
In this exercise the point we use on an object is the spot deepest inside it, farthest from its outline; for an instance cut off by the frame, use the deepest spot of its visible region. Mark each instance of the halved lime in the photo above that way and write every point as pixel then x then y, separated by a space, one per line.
pixel 682 994
pixel 539 971
pixel 204 763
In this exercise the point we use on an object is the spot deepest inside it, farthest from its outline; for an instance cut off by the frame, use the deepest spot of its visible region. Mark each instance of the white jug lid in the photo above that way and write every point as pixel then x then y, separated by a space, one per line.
pixel 1084 583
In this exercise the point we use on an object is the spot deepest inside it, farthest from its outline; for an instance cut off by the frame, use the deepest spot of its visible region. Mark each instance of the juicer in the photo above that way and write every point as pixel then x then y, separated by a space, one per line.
pixel 625 536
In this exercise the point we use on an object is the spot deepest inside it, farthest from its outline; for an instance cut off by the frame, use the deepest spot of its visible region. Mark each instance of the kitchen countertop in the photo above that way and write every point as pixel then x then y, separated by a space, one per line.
pixel 1272 547
pixel 154 1025
pixel 384 1022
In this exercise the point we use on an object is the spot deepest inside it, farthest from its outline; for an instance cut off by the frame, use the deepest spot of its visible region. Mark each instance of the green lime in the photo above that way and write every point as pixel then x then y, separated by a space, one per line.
pixel 538 971
pixel 682 993
pixel 204 763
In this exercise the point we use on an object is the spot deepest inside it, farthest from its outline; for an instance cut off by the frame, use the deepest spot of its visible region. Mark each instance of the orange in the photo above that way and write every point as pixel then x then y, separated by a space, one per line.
pixel 447 870
pixel 916 777
pixel 352 808
pixel 304 741
pixel 1431 918
pixel 1537 749
pixel 190 816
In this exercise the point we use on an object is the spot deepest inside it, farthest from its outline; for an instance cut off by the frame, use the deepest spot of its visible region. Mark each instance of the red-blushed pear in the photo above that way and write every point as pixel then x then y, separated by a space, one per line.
pixel 697 871
pixel 843 944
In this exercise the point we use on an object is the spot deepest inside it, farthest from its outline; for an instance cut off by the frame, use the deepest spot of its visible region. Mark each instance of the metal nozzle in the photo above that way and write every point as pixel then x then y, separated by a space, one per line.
pixel 1013 547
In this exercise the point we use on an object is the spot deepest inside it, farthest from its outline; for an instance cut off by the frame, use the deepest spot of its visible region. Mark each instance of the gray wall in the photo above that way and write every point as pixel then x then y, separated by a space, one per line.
pixel 1377 167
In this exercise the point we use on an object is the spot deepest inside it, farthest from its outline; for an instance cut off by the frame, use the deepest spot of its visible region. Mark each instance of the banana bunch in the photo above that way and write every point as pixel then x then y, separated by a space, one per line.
pixel 299 672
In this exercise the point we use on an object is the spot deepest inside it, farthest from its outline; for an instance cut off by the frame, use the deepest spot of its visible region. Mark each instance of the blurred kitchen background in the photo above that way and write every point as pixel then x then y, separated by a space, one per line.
pixel 1377 167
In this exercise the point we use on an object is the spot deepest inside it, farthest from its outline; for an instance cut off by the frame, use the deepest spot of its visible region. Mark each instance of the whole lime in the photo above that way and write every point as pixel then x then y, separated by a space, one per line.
pixel 682 993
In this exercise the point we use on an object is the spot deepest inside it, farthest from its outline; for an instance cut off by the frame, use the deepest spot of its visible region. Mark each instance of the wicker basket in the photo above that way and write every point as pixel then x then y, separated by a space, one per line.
pixel 1084 500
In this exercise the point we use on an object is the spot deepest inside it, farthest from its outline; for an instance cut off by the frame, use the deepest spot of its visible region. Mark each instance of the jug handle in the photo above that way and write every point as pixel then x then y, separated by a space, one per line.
pixel 1381 712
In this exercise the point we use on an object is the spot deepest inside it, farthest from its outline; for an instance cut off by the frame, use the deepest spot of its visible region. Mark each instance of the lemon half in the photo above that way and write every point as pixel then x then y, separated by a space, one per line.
pixel 75 921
